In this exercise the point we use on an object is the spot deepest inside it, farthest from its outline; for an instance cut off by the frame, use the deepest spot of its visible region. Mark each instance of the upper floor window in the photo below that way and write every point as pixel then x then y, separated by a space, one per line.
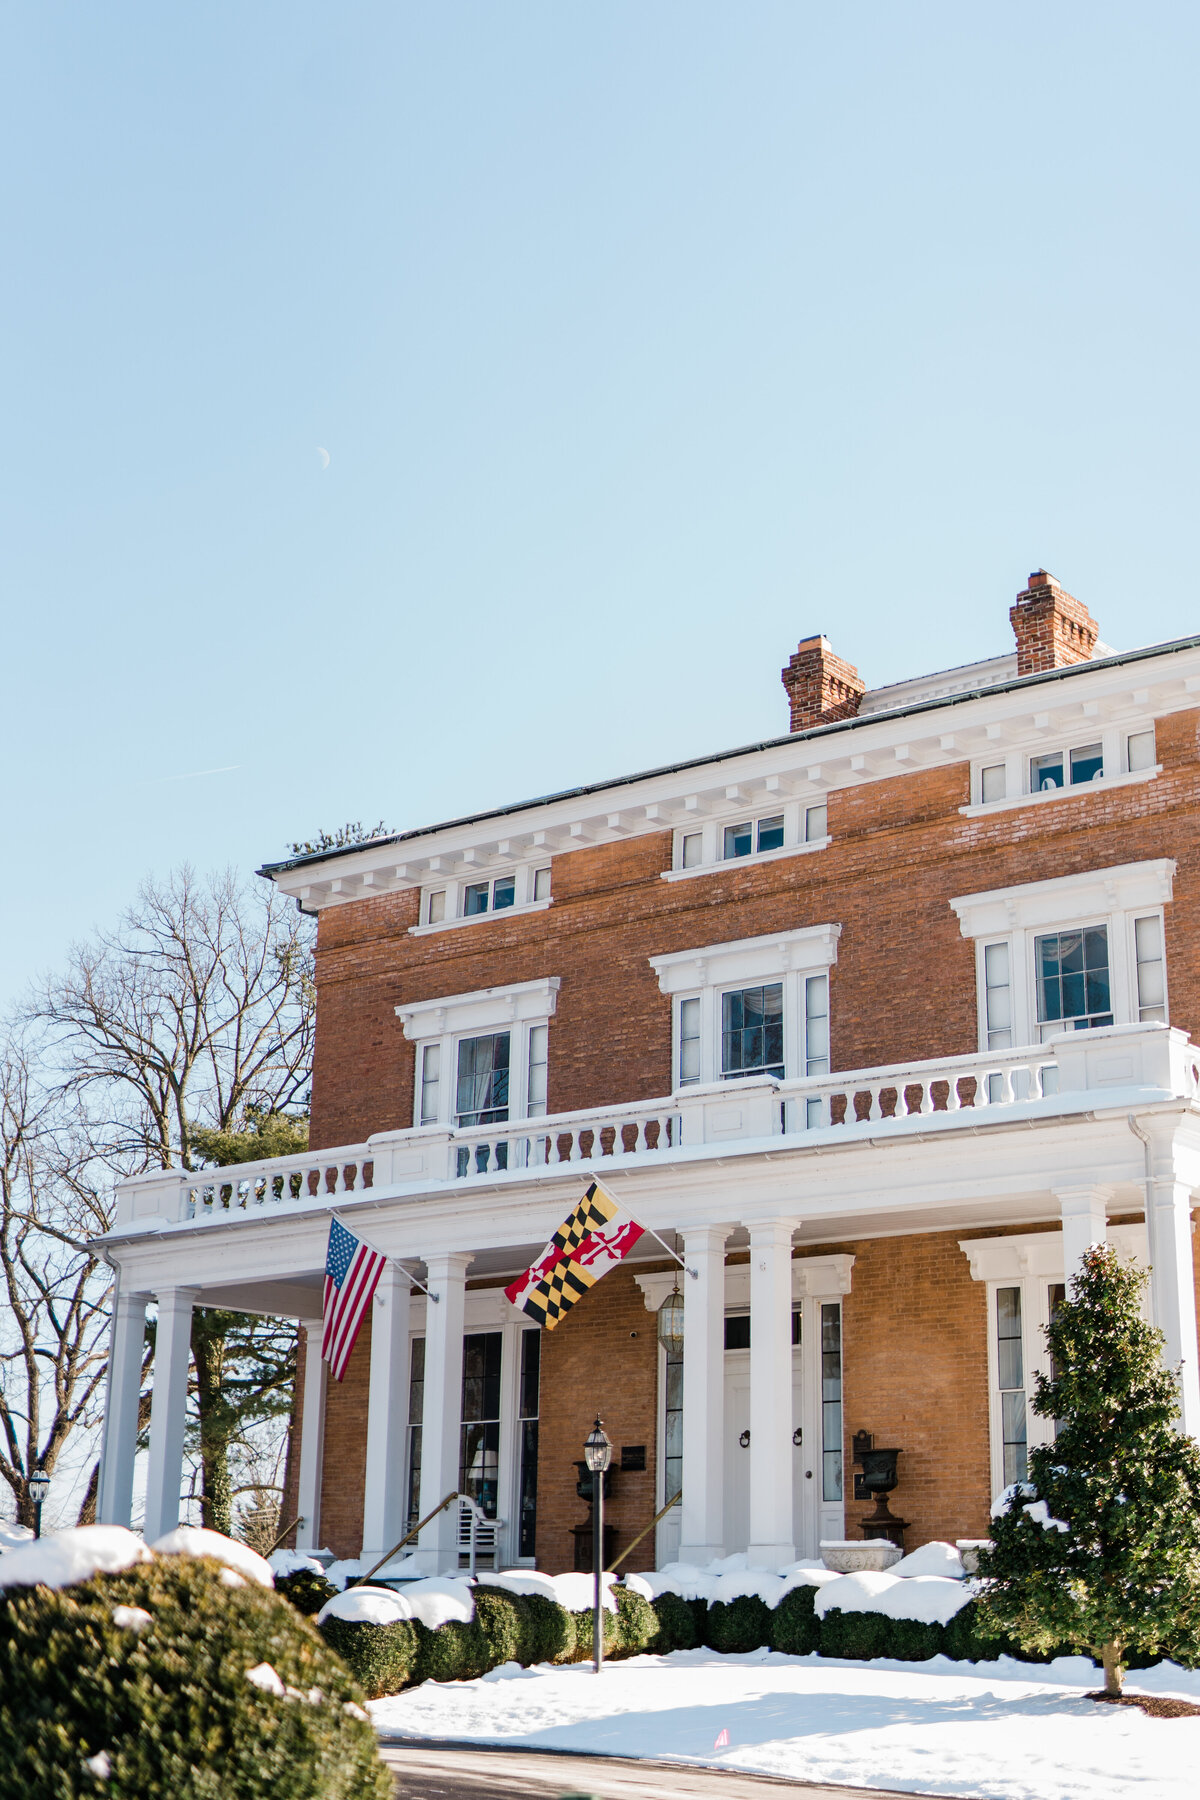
pixel 793 826
pixel 1018 776
pixel 1069 955
pixel 452 901
pixel 482 1058
pixel 481 1096
pixel 759 1006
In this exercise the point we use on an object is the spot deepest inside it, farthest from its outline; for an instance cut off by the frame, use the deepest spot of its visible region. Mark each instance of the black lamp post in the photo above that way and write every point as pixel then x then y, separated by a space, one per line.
pixel 597 1453
pixel 39 1486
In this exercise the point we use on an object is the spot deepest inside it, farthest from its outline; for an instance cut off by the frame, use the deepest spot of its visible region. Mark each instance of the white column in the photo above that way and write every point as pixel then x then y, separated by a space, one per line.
pixel 1084 1223
pixel 168 1410
pixel 441 1416
pixel 1172 1279
pixel 312 1439
pixel 387 1414
pixel 114 1501
pixel 771 1528
pixel 703 1524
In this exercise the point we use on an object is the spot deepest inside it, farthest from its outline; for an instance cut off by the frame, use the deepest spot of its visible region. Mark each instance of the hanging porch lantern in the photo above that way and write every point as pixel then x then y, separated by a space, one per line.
pixel 670 1322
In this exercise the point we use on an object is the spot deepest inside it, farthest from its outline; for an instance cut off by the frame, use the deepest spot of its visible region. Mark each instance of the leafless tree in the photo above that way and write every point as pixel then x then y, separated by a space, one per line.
pixel 198 1006
pixel 53 1334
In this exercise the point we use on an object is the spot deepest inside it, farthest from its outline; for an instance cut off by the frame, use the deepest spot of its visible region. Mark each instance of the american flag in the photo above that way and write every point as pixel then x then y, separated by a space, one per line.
pixel 352 1269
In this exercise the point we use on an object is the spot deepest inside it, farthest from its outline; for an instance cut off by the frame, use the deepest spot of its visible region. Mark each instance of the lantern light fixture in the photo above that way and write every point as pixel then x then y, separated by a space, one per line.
pixel 670 1322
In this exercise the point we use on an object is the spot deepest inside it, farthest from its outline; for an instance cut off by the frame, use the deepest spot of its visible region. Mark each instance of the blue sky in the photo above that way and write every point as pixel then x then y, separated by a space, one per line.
pixel 644 339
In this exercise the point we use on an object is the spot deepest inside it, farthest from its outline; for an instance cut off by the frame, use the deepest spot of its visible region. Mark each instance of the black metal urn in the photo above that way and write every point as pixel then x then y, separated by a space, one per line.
pixel 878 1479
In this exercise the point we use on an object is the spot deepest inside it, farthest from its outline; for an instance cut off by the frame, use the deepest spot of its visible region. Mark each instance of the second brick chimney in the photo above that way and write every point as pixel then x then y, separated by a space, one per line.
pixel 1052 627
pixel 820 686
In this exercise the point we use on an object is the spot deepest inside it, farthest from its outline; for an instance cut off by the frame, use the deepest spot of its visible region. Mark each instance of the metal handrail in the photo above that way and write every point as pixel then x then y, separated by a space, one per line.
pixel 674 1501
pixel 406 1539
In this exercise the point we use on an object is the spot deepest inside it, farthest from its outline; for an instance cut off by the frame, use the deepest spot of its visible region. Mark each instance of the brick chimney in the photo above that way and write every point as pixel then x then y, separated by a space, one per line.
pixel 1053 628
pixel 820 686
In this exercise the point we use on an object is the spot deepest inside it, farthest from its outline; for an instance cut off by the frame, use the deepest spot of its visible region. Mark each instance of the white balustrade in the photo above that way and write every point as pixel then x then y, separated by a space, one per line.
pixel 995 1078
pixel 590 1136
pixel 278 1180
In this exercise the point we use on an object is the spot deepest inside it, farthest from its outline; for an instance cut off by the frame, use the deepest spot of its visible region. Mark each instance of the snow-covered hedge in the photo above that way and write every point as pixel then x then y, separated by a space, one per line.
pixel 132 1672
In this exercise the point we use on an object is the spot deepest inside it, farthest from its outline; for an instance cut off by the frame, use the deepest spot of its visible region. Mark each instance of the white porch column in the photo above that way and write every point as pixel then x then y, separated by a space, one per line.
pixel 771 1528
pixel 312 1439
pixel 703 1506
pixel 387 1414
pixel 1172 1280
pixel 1084 1222
pixel 168 1411
pixel 114 1501
pixel 441 1416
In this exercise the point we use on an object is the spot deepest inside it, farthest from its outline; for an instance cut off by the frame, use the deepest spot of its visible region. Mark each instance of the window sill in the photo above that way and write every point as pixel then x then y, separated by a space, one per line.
pixel 745 862
pixel 506 912
pixel 984 809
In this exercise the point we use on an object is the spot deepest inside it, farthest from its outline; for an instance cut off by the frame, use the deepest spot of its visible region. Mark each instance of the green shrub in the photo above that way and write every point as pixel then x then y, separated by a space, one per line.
pixel 170 1705
pixel 910 1640
pixel 584 1635
pixel 735 1626
pixel 455 1651
pixel 501 1618
pixel 307 1589
pixel 795 1628
pixel 857 1636
pixel 380 1657
pixel 637 1623
pixel 549 1631
pixel 676 1623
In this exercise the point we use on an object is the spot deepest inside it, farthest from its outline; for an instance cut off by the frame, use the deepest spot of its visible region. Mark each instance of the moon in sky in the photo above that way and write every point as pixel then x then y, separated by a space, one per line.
pixel 324 456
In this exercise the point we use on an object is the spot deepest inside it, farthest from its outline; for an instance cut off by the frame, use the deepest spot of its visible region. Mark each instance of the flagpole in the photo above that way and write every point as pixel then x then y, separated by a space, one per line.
pixel 415 1279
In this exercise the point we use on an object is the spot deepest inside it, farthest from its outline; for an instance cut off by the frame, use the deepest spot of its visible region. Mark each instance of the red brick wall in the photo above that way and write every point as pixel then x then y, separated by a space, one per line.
pixel 903 986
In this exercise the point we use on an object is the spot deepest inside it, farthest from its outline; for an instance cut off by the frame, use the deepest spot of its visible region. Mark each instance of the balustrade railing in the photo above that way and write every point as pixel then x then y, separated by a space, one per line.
pixel 1148 1057
pixel 996 1078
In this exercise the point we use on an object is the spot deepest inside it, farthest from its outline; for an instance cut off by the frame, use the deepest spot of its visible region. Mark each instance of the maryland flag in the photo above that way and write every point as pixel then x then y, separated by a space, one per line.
pixel 585 1247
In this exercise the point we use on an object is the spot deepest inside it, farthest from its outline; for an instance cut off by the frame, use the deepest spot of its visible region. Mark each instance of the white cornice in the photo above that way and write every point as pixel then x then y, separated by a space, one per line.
pixel 937 732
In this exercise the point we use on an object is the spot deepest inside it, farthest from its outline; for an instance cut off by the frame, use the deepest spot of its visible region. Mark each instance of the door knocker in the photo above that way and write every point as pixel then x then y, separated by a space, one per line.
pixel 797 1437
pixel 744 1440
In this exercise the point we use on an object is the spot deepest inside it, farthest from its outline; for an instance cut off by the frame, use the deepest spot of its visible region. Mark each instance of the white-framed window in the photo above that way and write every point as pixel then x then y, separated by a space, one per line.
pixel 482 1058
pixel 759 1006
pixel 785 828
pixel 1074 954
pixel 1099 756
pixel 1025 1286
pixel 448 901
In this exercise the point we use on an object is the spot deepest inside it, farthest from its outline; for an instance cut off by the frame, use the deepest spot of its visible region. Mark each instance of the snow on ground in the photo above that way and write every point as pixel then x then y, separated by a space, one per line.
pixel 996 1731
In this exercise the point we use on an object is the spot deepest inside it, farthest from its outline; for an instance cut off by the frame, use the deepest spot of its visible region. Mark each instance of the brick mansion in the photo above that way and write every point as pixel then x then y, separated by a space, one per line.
pixel 880 1022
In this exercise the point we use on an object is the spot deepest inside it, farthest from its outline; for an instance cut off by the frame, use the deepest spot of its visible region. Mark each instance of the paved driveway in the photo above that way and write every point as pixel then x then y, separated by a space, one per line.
pixel 452 1772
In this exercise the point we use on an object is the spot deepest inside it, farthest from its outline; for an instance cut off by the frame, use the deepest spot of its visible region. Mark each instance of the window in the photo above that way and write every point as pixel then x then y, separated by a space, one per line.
pixel 816 823
pixel 431 1073
pixel 541 884
pixel 528 1407
pixel 993 783
pixel 1010 1377
pixel 997 996
pixel 1060 768
pixel 689 1041
pixel 435 906
pixel 1073 988
pixel 535 1105
pixel 831 1401
pixel 1140 751
pixel 673 1425
pixel 479 1444
pixel 752 1031
pixel 738 840
pixel 478 895
pixel 769 834
pixel 482 1094
pixel 416 1406
pixel 692 850
pixel 737 1329
pixel 1151 977
pixel 816 1024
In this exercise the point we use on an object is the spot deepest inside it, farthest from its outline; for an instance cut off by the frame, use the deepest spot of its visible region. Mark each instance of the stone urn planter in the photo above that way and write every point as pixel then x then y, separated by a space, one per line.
pixel 847 1557
pixel 968 1549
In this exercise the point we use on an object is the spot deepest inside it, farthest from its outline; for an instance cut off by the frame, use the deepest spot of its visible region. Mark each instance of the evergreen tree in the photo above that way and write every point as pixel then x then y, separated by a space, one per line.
pixel 1100 1549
